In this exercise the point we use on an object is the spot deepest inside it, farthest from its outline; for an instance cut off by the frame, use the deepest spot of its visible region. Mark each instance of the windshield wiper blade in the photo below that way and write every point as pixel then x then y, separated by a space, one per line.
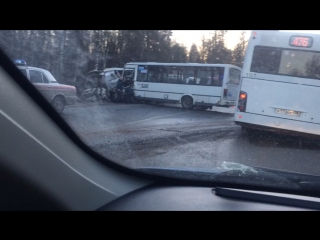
pixel 265 198
pixel 246 177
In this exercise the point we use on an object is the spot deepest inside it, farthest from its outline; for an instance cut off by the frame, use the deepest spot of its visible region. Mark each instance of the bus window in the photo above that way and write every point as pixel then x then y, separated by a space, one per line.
pixel 170 75
pixel 204 74
pixel 209 76
pixel 217 74
pixel 234 76
pixel 154 74
pixel 265 60
pixel 164 72
pixel 142 73
pixel 180 76
pixel 295 63
pixel 187 75
pixel 300 64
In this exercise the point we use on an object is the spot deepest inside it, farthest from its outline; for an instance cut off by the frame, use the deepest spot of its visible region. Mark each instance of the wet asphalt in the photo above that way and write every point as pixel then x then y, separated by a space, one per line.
pixel 165 135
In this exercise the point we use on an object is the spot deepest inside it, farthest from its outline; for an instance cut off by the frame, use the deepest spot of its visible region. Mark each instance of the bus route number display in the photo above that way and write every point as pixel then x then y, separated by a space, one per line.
pixel 299 41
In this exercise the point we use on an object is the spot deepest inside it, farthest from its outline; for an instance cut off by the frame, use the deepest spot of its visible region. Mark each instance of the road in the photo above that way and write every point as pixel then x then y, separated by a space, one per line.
pixel 142 135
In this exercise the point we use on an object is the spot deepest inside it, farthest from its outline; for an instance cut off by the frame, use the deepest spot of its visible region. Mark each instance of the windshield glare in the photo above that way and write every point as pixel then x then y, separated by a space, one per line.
pixel 184 99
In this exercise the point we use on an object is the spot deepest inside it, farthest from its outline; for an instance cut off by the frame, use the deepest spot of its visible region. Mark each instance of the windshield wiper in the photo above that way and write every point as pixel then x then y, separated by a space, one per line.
pixel 266 198
pixel 241 176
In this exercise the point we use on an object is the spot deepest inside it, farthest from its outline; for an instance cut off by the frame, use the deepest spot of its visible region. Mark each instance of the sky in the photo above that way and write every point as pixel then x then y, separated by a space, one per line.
pixel 188 37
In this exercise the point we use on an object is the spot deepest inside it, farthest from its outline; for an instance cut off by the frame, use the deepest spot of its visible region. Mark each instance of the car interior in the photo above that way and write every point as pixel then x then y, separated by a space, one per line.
pixel 45 166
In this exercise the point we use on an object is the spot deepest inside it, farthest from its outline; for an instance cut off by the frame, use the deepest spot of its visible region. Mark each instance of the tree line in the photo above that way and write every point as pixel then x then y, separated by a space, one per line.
pixel 70 54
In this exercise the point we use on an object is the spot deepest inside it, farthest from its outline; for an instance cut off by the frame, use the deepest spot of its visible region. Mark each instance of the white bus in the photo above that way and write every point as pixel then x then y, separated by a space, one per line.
pixel 280 83
pixel 190 84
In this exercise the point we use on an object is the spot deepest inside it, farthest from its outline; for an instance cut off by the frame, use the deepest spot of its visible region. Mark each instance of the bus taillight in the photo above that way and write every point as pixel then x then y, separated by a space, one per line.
pixel 243 95
pixel 242 103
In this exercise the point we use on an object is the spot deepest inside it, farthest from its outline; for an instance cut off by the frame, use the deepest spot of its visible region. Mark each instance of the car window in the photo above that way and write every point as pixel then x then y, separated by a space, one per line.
pixel 48 76
pixel 107 76
pixel 36 76
pixel 113 76
pixel 44 78
pixel 110 76
pixel 206 100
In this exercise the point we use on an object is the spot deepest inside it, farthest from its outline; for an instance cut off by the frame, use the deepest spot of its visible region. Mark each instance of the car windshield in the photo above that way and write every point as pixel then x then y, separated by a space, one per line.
pixel 202 101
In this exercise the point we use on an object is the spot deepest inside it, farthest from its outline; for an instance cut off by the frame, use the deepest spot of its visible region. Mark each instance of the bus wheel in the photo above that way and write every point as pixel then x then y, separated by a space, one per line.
pixel 187 102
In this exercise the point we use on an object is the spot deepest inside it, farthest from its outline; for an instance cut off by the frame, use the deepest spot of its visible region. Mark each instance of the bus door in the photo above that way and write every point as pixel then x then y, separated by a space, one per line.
pixel 232 83
pixel 130 73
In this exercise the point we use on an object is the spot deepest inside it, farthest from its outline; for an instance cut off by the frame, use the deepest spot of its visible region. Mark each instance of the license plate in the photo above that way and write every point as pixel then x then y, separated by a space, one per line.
pixel 287 112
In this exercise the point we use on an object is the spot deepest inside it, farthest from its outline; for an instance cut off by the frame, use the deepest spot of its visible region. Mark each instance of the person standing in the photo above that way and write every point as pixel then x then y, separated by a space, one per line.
pixel 119 89
pixel 129 91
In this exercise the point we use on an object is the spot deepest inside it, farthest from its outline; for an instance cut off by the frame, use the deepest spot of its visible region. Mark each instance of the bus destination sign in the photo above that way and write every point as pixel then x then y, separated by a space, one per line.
pixel 299 41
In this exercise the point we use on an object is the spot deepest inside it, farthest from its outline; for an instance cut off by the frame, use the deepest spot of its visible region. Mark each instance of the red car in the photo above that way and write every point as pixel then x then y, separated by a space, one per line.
pixel 59 95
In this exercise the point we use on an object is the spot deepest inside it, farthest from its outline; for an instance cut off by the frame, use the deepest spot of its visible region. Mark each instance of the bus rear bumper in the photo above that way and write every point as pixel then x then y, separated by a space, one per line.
pixel 225 103
pixel 275 124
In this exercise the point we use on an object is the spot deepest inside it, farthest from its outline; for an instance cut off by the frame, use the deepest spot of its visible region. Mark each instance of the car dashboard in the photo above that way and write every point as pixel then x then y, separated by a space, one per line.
pixel 191 198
